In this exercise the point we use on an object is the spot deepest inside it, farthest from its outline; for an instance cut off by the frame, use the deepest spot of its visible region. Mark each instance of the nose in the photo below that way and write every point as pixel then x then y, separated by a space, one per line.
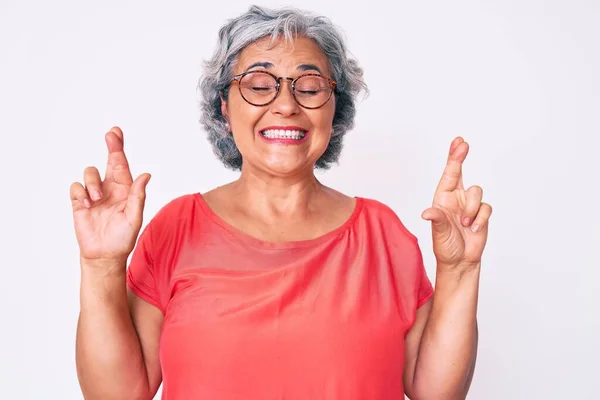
pixel 284 104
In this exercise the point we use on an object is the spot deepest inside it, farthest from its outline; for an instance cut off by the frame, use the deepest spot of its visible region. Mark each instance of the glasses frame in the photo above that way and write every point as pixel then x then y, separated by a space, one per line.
pixel 238 78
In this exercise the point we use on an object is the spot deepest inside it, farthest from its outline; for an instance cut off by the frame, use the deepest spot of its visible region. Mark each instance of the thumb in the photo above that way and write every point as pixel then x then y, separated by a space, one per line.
pixel 136 200
pixel 438 218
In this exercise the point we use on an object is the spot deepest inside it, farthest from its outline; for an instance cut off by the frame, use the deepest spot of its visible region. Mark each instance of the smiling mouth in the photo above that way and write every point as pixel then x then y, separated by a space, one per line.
pixel 283 134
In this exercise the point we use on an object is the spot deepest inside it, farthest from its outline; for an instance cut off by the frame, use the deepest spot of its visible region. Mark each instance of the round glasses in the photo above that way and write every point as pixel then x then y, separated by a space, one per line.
pixel 261 88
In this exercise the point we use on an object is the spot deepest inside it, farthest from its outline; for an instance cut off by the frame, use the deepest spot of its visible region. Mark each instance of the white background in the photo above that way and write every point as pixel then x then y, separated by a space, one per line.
pixel 520 80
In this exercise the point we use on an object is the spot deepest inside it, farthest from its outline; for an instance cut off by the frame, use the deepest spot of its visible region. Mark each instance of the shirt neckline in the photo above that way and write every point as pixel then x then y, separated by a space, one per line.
pixel 254 241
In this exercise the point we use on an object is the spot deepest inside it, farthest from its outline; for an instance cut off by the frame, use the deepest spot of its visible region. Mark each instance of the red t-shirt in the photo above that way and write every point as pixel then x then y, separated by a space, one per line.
pixel 323 318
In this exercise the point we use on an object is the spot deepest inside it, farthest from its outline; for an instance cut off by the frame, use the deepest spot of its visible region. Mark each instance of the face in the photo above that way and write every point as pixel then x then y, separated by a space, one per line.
pixel 257 130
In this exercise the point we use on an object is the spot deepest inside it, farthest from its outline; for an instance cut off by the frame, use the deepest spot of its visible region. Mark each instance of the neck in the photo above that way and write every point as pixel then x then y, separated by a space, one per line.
pixel 278 196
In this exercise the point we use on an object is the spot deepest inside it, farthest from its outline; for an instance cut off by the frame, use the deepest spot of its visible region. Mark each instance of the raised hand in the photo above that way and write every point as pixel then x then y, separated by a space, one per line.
pixel 108 213
pixel 459 217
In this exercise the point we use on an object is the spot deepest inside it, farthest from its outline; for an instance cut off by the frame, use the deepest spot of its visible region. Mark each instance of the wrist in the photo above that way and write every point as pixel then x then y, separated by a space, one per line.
pixel 103 267
pixel 457 276
pixel 456 294
pixel 459 269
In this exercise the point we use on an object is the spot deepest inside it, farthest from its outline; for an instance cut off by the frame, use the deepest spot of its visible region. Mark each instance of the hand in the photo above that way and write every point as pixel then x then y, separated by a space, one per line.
pixel 459 218
pixel 108 214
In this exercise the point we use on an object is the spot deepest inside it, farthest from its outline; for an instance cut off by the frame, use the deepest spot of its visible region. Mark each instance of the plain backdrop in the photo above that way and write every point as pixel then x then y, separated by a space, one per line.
pixel 519 80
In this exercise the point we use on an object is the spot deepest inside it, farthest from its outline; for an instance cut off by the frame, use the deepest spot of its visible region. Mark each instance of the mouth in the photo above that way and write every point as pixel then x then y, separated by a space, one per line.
pixel 287 133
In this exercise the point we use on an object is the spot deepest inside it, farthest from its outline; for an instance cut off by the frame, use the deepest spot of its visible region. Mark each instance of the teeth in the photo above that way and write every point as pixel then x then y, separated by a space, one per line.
pixel 283 134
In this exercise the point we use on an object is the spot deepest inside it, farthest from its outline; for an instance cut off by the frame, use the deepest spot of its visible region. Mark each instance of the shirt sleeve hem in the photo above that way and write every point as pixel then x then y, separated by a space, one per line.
pixel 426 298
pixel 143 293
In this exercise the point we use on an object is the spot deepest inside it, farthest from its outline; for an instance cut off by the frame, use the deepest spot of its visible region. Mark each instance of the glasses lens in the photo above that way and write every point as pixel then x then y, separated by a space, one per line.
pixel 312 91
pixel 258 88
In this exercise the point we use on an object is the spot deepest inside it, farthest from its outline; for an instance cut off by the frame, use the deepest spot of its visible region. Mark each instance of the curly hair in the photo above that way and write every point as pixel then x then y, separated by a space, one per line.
pixel 258 23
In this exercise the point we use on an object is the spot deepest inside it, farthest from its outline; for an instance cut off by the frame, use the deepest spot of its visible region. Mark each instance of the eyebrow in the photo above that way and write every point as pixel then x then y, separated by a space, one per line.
pixel 307 67
pixel 263 64
pixel 301 67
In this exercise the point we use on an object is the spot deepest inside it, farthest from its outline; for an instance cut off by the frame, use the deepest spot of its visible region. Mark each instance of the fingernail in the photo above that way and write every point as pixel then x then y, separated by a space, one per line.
pixel 466 221
pixel 96 195
pixel 86 202
pixel 475 228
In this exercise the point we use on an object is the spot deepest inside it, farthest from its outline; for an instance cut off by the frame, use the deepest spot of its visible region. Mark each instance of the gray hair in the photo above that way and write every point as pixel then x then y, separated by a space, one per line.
pixel 258 23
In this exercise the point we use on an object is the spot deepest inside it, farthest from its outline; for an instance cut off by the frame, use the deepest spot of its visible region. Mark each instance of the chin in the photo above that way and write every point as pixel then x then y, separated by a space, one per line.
pixel 283 167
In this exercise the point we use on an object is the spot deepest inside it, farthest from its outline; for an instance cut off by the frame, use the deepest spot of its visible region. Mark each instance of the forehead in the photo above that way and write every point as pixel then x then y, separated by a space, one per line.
pixel 283 54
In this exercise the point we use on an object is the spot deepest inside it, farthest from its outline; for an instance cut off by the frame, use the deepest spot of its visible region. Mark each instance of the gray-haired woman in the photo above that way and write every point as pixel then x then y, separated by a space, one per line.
pixel 275 286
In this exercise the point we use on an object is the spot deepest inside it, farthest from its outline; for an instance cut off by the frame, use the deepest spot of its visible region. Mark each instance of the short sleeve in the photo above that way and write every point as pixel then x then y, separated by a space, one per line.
pixel 141 277
pixel 424 286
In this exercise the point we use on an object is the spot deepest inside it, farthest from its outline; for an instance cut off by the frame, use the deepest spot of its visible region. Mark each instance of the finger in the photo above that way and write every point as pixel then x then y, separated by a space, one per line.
pixel 473 197
pixel 457 140
pixel 438 219
pixel 455 143
pixel 482 219
pixel 117 169
pixel 452 175
pixel 136 200
pixel 79 196
pixel 117 131
pixel 93 183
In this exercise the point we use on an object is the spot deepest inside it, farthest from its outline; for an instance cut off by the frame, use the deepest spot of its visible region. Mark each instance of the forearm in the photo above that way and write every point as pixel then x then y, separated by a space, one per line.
pixel 448 348
pixel 109 358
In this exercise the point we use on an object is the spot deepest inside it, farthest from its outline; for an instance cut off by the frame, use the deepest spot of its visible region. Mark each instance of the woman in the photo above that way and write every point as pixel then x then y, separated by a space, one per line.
pixel 275 286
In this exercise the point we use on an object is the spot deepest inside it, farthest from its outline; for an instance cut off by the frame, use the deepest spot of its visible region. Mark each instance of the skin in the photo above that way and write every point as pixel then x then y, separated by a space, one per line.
pixel 118 333
pixel 277 181
pixel 442 345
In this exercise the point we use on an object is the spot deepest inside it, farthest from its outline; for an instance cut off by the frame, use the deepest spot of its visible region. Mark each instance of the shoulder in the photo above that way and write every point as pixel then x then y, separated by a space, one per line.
pixel 174 206
pixel 174 212
pixel 385 216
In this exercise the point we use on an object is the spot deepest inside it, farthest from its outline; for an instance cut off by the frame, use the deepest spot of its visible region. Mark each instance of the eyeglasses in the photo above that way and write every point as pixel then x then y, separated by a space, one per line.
pixel 261 88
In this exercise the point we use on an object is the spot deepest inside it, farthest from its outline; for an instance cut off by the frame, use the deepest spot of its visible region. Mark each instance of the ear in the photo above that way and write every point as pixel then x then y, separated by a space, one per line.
pixel 223 106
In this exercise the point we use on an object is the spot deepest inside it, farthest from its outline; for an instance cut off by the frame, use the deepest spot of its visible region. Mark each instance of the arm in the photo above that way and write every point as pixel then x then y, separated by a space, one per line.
pixel 441 348
pixel 117 338
pixel 444 341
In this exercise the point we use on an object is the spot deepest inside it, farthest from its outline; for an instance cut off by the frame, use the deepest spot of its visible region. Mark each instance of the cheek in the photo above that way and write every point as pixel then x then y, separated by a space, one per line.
pixel 244 116
pixel 324 119
pixel 329 111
